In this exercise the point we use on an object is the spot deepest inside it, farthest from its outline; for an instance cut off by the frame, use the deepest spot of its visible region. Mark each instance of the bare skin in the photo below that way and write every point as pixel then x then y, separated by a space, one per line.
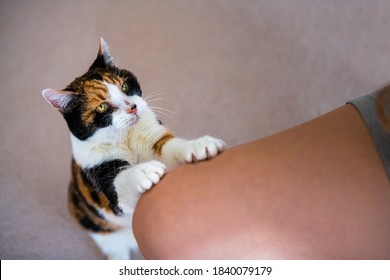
pixel 316 191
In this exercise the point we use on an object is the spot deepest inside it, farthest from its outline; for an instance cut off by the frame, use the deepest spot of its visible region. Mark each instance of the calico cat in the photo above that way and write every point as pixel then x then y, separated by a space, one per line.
pixel 120 150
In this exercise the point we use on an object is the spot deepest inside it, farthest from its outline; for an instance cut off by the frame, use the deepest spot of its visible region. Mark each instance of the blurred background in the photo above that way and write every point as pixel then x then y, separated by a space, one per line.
pixel 238 70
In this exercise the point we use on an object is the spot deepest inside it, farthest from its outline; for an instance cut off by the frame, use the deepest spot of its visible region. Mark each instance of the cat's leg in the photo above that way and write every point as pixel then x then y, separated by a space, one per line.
pixel 177 151
pixel 132 182
pixel 129 185
pixel 118 245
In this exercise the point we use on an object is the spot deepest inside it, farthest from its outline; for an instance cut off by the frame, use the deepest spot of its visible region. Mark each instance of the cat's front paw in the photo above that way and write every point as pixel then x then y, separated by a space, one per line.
pixel 203 148
pixel 145 175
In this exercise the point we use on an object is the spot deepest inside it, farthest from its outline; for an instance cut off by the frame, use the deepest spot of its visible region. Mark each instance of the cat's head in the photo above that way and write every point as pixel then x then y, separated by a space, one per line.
pixel 104 98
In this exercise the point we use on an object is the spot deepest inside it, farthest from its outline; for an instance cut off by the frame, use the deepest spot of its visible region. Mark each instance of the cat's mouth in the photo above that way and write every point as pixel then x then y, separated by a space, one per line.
pixel 129 115
pixel 126 121
pixel 133 114
pixel 133 119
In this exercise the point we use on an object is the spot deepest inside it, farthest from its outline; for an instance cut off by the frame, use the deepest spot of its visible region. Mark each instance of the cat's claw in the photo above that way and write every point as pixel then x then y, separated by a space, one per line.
pixel 147 174
pixel 203 148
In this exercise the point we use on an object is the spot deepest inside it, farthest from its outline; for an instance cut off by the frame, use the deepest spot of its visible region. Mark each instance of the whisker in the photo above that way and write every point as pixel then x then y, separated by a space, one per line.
pixel 163 115
pixel 150 97
pixel 163 110
pixel 155 99
pixel 156 96
pixel 157 91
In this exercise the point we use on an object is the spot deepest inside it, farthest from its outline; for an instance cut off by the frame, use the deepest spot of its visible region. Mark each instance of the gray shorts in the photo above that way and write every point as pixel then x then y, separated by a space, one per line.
pixel 366 106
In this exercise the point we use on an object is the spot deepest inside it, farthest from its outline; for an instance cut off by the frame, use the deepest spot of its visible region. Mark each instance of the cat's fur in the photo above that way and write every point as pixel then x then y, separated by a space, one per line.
pixel 120 150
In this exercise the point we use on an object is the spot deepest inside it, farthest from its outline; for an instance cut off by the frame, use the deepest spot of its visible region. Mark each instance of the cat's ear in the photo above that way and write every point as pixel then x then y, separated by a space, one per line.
pixel 103 59
pixel 59 99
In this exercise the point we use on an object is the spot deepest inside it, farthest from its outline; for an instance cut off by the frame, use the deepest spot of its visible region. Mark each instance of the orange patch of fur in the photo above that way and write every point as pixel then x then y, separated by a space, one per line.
pixel 157 147
pixel 81 210
pixel 118 81
pixel 97 93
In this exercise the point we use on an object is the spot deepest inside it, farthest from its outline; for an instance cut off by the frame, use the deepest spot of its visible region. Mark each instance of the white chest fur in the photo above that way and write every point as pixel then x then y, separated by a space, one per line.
pixel 133 145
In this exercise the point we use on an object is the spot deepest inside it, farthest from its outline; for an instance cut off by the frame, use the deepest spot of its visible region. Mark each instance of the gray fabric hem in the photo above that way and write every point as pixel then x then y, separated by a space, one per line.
pixel 366 105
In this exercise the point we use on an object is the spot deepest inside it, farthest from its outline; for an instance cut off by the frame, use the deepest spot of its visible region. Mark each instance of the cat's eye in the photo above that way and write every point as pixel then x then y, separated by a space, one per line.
pixel 125 88
pixel 102 108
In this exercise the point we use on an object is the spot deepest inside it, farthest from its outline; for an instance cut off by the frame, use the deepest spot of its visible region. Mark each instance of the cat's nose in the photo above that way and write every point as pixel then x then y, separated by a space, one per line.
pixel 132 109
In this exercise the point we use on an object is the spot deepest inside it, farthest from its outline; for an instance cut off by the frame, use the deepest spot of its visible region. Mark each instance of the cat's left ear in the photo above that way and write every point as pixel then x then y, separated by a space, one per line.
pixel 59 99
pixel 103 59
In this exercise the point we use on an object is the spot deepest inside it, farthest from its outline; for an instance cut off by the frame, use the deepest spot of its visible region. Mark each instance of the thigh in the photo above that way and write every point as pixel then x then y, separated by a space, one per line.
pixel 316 191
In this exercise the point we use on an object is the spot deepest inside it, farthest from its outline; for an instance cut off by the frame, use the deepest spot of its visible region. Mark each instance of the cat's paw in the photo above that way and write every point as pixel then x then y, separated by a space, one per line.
pixel 203 148
pixel 145 175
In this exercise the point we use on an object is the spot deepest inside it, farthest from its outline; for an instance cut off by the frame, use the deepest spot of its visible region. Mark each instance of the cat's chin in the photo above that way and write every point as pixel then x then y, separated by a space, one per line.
pixel 133 121
pixel 127 123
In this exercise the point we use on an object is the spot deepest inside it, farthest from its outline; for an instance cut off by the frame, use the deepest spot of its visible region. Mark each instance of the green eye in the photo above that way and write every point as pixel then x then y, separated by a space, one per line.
pixel 102 108
pixel 125 88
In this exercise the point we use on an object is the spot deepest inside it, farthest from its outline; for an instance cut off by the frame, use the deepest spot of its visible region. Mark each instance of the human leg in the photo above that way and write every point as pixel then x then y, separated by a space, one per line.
pixel 316 191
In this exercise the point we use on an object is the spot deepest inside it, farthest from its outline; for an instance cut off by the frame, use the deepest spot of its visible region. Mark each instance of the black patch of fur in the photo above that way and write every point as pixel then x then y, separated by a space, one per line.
pixel 98 63
pixel 101 179
pixel 80 203
pixel 89 224
pixel 76 126
pixel 131 81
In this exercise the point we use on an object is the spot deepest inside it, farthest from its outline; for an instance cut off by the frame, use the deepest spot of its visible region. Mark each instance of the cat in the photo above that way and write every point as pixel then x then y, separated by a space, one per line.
pixel 120 150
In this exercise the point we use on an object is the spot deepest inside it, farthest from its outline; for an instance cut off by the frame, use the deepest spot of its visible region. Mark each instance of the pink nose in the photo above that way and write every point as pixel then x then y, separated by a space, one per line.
pixel 132 109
